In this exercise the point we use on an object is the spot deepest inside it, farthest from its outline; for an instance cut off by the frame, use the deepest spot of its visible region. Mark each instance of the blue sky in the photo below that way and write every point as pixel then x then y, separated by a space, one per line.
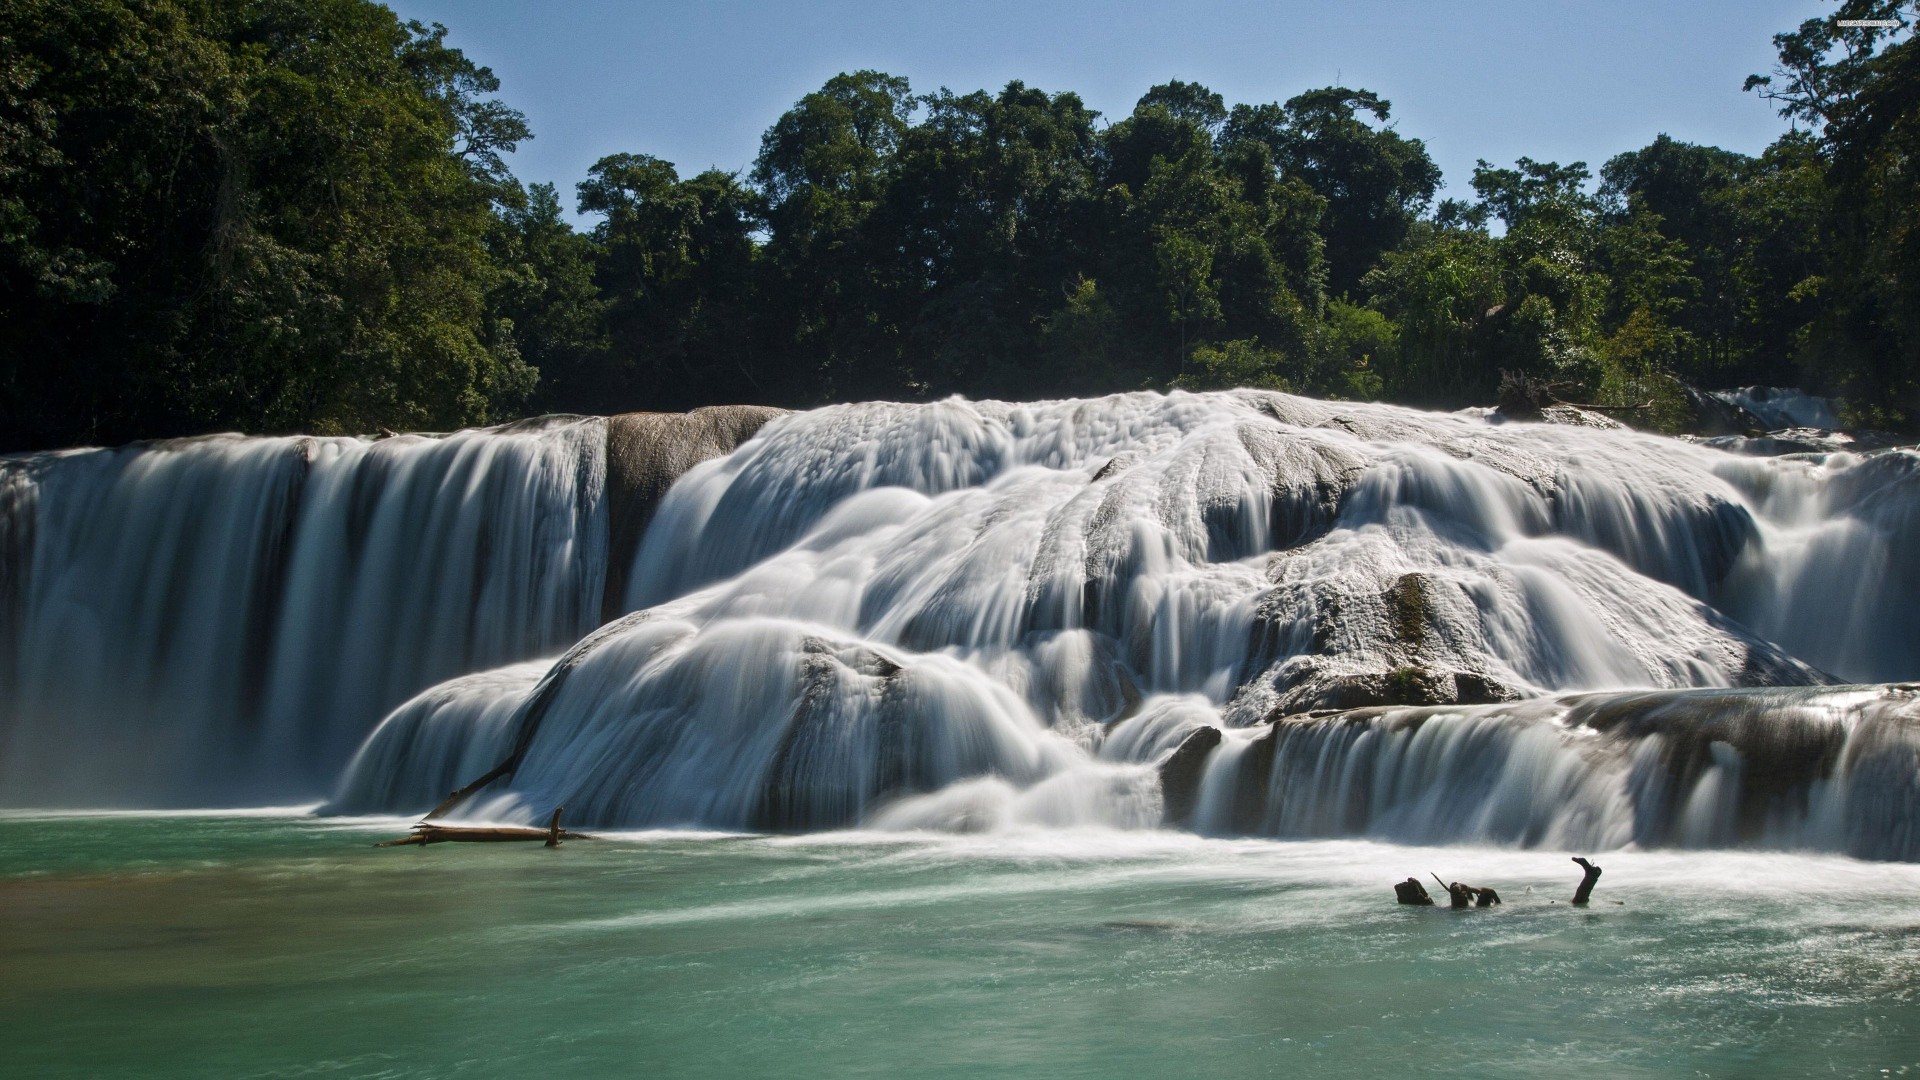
pixel 697 83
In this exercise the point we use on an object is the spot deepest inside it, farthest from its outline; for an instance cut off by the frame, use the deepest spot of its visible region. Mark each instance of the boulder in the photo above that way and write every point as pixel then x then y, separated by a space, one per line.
pixel 1181 772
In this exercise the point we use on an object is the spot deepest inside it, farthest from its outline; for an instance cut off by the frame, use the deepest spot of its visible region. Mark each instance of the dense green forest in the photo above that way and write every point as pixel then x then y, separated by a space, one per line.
pixel 280 215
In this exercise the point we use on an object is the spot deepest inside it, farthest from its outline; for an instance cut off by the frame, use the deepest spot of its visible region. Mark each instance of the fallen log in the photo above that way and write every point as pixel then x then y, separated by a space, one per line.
pixel 1604 408
pixel 426 832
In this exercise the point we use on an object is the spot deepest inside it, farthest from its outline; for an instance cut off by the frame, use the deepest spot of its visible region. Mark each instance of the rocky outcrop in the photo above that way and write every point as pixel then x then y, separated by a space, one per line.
pixel 1325 687
pixel 793 799
pixel 1181 772
pixel 646 453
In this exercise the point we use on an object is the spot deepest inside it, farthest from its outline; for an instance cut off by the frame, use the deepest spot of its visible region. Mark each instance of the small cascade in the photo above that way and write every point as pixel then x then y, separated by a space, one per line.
pixel 1821 769
pixel 1783 407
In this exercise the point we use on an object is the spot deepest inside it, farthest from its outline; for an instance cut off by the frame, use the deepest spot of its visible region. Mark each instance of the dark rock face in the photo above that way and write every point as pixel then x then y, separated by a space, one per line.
pixel 1180 774
pixel 1319 688
pixel 1252 778
pixel 646 453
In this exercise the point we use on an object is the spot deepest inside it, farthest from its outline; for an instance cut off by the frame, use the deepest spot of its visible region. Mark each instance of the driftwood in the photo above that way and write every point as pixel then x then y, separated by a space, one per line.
pixel 428 833
pixel 1585 890
pixel 1463 895
pixel 1411 891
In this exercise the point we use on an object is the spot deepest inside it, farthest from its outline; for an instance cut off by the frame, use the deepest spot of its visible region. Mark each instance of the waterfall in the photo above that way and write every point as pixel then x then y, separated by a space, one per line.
pixel 1817 768
pixel 222 620
pixel 986 615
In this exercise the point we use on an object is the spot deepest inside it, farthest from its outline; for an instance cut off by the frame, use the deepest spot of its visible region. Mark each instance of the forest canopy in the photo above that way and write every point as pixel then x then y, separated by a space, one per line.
pixel 297 215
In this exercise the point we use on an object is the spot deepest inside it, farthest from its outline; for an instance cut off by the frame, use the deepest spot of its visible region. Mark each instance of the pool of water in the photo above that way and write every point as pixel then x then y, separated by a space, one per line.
pixel 278 945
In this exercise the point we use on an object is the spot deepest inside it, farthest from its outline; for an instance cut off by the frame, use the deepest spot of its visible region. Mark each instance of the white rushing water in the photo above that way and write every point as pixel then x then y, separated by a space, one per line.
pixel 972 615
pixel 222 619
pixel 1783 407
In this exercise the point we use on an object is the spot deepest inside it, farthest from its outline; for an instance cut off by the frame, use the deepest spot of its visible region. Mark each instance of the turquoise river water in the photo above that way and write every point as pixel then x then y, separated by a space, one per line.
pixel 273 944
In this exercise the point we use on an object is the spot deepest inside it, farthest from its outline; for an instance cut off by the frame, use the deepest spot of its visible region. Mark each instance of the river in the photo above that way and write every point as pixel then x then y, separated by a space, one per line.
pixel 286 946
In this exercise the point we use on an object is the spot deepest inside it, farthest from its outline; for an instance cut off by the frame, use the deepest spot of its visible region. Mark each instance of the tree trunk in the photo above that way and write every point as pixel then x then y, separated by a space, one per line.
pixel 426 833
pixel 1585 890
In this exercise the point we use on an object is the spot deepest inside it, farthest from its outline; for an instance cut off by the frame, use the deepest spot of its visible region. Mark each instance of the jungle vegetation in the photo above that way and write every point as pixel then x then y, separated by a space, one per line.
pixel 297 215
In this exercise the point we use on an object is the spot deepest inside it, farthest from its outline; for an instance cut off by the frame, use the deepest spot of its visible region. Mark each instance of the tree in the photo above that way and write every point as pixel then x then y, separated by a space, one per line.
pixel 547 298
pixel 676 264
pixel 1190 102
pixel 1685 194
pixel 822 170
pixel 1375 181
pixel 984 220
pixel 1441 289
pixel 281 224
pixel 1554 292
pixel 1209 237
pixel 1858 85
pixel 1234 364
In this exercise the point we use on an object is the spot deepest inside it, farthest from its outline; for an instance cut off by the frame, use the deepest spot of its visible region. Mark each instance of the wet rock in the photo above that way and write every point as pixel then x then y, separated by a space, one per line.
pixel 1309 481
pixel 1574 416
pixel 1412 892
pixel 794 797
pixel 1252 778
pixel 1472 688
pixel 1181 772
pixel 646 453
pixel 1411 609
pixel 1409 685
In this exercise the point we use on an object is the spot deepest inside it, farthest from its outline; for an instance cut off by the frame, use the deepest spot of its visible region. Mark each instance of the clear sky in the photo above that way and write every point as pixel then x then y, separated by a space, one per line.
pixel 697 83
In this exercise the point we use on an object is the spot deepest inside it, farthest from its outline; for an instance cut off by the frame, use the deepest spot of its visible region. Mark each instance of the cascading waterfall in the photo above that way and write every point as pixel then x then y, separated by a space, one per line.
pixel 971 615
pixel 222 620
pixel 218 619
pixel 1834 769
